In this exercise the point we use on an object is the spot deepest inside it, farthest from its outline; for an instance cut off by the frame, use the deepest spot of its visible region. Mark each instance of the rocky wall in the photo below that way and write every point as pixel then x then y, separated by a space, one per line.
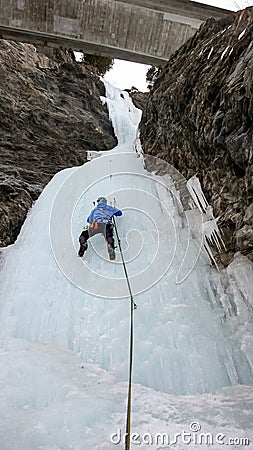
pixel 199 116
pixel 50 115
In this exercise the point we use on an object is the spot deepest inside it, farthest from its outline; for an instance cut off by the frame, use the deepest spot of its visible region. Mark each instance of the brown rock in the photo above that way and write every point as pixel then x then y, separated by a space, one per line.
pixel 51 115
pixel 248 218
pixel 244 239
pixel 199 115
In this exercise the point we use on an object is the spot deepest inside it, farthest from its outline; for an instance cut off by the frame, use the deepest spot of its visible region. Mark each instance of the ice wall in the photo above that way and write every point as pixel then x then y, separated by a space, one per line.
pixel 183 345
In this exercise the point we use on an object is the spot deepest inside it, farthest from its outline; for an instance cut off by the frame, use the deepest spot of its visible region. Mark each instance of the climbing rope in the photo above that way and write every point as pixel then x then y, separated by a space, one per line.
pixel 133 306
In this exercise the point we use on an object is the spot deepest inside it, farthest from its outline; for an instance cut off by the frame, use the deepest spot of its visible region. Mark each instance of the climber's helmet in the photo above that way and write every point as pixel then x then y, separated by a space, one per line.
pixel 101 200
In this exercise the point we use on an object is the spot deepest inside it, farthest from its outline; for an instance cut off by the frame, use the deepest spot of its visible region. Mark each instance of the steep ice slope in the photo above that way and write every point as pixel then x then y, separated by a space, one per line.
pixel 183 338
pixel 180 342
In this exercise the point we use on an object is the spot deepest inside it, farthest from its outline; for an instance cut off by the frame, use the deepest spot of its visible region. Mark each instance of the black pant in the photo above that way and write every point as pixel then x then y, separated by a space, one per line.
pixel 103 228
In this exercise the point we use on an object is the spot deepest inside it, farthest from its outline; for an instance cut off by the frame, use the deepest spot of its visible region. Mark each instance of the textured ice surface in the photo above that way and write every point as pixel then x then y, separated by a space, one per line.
pixel 50 399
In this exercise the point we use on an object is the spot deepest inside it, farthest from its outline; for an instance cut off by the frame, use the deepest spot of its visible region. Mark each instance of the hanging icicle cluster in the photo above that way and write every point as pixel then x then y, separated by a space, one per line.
pixel 208 227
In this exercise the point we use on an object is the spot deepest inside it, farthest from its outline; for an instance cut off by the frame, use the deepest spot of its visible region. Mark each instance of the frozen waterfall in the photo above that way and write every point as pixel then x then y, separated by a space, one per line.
pixel 58 309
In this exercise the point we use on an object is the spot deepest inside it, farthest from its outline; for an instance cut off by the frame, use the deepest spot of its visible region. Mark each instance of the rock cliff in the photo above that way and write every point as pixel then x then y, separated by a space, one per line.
pixel 51 114
pixel 199 117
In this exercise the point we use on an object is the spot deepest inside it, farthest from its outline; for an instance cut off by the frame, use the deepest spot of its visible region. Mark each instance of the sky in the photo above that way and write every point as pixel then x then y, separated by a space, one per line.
pixel 125 74
pixel 227 4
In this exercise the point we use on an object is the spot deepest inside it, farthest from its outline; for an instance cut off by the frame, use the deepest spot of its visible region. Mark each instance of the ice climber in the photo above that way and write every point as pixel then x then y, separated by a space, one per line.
pixel 100 221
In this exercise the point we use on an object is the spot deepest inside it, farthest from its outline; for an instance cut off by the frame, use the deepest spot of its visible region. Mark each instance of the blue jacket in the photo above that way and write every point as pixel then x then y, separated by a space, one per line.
pixel 104 214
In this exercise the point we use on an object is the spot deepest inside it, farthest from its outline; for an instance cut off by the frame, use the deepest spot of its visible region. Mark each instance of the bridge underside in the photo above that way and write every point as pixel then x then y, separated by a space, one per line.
pixel 145 31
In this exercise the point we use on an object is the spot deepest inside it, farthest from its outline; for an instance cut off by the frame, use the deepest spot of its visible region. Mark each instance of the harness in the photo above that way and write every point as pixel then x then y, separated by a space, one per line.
pixel 95 224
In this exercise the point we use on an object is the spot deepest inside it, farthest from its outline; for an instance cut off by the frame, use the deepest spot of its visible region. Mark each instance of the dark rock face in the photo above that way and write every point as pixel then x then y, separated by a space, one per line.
pixel 51 114
pixel 138 98
pixel 199 118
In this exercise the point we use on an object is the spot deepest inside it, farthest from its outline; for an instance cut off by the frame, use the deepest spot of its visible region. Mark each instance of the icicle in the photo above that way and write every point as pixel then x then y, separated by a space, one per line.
pixel 208 225
pixel 194 187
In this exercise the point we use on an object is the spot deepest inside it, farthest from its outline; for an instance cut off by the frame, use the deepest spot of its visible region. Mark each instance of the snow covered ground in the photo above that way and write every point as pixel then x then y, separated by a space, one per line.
pixel 64 321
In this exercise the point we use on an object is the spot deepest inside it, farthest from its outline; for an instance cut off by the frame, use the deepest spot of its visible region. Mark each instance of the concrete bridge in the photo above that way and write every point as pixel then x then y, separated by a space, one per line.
pixel 145 31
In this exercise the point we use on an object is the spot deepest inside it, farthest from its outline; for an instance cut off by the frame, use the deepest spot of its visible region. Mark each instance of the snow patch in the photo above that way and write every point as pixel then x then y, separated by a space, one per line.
pixel 209 54
pixel 224 52
pixel 242 34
